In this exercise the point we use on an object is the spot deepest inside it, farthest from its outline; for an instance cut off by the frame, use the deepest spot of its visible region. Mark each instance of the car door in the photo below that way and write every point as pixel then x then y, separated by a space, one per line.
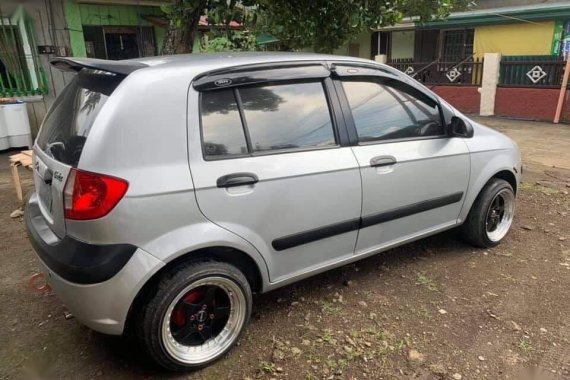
pixel 270 165
pixel 414 176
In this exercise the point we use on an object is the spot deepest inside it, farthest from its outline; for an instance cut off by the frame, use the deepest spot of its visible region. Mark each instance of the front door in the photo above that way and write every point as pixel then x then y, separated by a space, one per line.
pixel 270 169
pixel 414 176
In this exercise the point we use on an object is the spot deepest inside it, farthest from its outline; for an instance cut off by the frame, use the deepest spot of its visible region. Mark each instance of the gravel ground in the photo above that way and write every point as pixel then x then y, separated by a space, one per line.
pixel 434 309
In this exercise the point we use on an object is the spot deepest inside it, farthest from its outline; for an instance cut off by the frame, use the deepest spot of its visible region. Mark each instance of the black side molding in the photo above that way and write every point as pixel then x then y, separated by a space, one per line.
pixel 71 259
pixel 316 234
pixel 305 237
pixel 408 210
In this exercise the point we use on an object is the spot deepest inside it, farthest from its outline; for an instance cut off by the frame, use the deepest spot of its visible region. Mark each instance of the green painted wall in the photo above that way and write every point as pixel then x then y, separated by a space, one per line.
pixel 119 15
pixel 73 18
pixel 159 34
pixel 78 15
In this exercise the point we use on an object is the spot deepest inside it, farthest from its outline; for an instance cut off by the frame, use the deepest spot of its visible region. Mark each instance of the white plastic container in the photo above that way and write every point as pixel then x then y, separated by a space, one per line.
pixel 14 126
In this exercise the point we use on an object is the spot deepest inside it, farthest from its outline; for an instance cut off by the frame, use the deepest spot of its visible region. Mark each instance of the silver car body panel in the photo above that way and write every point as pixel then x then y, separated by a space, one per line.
pixel 425 170
pixel 148 133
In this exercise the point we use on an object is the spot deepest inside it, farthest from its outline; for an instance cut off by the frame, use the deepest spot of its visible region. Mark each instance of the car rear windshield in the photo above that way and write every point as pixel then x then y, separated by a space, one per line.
pixel 66 127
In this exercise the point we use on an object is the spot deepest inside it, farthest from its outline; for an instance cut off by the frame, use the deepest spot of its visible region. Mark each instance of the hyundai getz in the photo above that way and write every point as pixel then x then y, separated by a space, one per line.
pixel 169 189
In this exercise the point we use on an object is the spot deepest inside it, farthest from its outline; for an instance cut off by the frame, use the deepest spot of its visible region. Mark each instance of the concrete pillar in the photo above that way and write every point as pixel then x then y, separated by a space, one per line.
pixel 382 58
pixel 488 90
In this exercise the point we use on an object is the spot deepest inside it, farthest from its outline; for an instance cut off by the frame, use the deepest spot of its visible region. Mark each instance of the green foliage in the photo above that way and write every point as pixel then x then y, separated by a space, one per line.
pixel 524 345
pixel 216 44
pixel 426 281
pixel 322 25
pixel 267 367
pixel 326 25
pixel 229 41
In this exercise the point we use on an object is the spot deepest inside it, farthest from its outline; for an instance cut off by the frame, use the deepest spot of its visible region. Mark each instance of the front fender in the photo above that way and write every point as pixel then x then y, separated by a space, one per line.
pixel 484 166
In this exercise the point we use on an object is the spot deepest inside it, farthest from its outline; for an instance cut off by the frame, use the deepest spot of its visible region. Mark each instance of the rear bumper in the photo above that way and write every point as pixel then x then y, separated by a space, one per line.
pixel 72 259
pixel 104 305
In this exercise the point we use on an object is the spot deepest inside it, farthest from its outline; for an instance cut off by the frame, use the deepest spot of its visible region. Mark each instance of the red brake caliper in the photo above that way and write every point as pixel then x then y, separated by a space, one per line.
pixel 178 318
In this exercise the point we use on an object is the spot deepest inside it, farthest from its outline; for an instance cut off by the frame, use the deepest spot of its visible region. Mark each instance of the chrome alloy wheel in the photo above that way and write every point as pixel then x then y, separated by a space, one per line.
pixel 204 320
pixel 500 215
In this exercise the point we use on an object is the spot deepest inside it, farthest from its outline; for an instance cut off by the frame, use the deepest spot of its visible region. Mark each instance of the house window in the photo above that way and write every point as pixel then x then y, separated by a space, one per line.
pixel 119 42
pixel 457 45
pixel 20 74
pixel 380 44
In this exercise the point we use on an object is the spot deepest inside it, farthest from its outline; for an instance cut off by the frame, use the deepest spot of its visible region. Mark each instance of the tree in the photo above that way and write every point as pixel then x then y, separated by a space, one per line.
pixel 184 19
pixel 325 25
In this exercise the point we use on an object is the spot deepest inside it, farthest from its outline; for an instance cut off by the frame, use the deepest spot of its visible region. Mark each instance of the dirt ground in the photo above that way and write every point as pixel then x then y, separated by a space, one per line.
pixel 435 309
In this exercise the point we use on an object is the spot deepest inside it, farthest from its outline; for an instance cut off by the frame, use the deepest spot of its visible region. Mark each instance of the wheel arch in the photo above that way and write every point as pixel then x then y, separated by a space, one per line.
pixel 504 174
pixel 241 260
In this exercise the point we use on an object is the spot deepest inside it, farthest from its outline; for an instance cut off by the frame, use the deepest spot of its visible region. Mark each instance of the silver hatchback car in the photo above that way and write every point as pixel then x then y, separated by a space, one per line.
pixel 169 189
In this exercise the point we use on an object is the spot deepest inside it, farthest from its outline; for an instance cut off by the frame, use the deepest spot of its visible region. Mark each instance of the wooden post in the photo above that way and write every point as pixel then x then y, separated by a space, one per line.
pixel 562 92
pixel 17 183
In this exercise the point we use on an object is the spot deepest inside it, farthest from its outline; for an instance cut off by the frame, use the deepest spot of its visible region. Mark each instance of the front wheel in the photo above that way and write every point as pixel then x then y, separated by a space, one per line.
pixel 491 215
pixel 196 315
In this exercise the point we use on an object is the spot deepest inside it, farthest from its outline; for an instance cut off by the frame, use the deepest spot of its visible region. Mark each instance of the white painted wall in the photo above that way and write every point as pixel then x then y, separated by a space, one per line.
pixel 363 40
pixel 488 90
pixel 402 44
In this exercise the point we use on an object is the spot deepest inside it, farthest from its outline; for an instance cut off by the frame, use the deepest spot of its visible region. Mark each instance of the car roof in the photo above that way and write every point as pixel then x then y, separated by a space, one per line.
pixel 238 58
pixel 195 64
pixel 198 64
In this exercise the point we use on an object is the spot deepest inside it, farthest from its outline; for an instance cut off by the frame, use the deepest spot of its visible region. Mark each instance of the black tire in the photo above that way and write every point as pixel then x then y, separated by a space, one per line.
pixel 170 286
pixel 474 229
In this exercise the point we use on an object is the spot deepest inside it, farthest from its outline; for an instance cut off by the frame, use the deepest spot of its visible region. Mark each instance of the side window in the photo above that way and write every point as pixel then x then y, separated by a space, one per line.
pixel 384 110
pixel 287 116
pixel 222 130
pixel 275 117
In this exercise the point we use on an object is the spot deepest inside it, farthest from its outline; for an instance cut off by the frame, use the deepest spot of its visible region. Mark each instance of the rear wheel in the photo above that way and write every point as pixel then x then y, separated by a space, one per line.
pixel 196 316
pixel 491 215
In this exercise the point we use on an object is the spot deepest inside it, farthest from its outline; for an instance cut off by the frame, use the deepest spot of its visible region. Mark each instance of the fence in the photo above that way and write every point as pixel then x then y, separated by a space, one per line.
pixel 465 73
pixel 531 71
pixel 20 71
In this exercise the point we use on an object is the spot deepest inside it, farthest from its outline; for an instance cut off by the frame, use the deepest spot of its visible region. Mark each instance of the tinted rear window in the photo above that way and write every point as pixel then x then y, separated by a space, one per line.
pixel 68 122
pixel 287 116
pixel 277 117
pixel 223 132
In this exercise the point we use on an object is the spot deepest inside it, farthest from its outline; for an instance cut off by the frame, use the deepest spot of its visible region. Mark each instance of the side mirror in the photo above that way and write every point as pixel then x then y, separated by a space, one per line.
pixel 460 128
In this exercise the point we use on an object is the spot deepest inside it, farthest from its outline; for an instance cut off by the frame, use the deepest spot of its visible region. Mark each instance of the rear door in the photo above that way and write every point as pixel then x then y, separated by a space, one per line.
pixel 62 136
pixel 272 165
pixel 414 176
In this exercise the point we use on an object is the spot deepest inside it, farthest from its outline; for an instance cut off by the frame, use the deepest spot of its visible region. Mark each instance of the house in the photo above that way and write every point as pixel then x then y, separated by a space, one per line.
pixel 523 28
pixel 447 55
pixel 33 32
pixel 518 45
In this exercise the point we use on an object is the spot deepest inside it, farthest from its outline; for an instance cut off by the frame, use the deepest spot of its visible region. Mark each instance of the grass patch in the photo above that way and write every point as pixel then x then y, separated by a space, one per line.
pixel 310 376
pixel 330 308
pixel 535 187
pixel 328 337
pixel 267 367
pixel 376 332
pixel 524 345
pixel 427 282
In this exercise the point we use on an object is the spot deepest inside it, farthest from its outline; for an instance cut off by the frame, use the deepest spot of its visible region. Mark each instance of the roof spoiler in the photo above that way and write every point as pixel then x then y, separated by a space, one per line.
pixel 76 64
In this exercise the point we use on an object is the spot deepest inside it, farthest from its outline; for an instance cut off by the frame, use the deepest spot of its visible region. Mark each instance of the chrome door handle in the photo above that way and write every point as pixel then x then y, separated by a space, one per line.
pixel 237 179
pixel 379 161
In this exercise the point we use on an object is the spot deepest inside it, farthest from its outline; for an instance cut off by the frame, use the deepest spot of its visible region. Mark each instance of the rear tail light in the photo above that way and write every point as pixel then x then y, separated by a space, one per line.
pixel 91 195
